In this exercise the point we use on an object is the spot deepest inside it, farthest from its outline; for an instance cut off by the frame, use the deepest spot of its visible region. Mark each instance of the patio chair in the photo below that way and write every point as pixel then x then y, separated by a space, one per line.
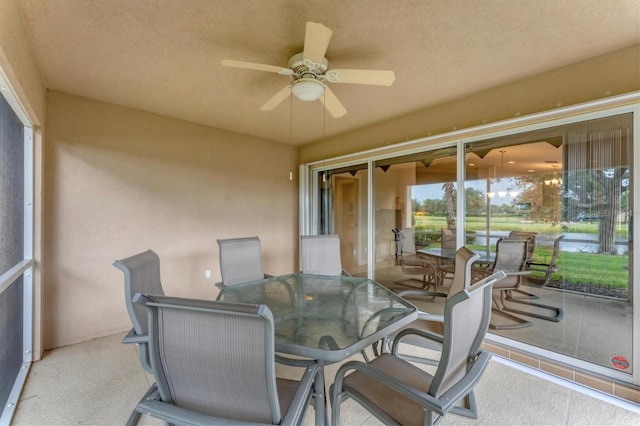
pixel 240 261
pixel 398 392
pixel 413 265
pixel 511 257
pixel 431 322
pixel 320 255
pixel 215 364
pixel 141 275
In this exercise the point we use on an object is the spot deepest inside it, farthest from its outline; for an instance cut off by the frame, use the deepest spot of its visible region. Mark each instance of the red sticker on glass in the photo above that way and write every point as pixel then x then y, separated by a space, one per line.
pixel 619 362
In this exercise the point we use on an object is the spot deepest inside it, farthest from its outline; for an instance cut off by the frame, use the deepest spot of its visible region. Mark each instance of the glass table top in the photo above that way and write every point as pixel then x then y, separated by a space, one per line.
pixel 325 317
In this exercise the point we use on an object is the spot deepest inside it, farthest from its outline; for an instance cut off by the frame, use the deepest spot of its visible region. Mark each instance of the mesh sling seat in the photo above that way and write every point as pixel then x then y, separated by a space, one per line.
pixel 215 364
pixel 413 265
pixel 320 255
pixel 141 275
pixel 240 261
pixel 399 393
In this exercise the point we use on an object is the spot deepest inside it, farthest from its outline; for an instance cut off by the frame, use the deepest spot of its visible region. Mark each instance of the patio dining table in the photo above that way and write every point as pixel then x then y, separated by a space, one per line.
pixel 325 319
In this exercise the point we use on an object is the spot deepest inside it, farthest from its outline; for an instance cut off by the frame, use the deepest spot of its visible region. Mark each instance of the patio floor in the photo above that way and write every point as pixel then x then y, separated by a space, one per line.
pixel 100 381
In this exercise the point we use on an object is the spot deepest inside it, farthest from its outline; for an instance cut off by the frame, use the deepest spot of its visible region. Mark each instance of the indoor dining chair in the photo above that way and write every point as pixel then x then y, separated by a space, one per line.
pixel 413 265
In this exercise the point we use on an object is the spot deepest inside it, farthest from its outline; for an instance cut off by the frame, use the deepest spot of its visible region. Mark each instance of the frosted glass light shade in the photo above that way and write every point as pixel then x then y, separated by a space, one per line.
pixel 307 89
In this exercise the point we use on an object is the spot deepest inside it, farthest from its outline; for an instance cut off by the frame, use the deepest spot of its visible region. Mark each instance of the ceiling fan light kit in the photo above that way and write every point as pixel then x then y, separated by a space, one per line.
pixel 307 89
pixel 309 70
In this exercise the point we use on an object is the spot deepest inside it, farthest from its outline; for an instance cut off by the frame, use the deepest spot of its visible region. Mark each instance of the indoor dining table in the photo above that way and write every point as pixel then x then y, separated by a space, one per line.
pixel 443 260
pixel 324 319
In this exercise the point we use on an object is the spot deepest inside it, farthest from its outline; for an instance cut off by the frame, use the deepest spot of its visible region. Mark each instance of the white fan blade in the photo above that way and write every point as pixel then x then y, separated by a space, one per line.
pixel 254 66
pixel 316 42
pixel 332 104
pixel 373 77
pixel 277 99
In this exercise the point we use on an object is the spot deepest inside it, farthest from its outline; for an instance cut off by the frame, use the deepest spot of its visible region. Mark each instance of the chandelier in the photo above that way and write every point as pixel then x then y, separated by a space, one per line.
pixel 555 182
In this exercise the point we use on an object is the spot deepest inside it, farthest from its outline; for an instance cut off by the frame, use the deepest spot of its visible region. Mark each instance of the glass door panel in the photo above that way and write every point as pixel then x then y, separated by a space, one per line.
pixel 571 187
pixel 343 211
pixel 414 199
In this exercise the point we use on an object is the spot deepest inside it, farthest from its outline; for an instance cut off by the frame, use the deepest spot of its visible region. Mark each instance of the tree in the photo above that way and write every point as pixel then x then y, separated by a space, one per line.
pixel 450 213
pixel 476 202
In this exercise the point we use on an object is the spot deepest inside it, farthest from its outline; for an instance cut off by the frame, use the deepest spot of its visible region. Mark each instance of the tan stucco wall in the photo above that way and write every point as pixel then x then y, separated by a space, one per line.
pixel 612 74
pixel 119 181
pixel 18 62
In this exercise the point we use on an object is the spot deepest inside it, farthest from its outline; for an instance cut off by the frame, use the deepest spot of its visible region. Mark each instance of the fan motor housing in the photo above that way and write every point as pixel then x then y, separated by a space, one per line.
pixel 306 68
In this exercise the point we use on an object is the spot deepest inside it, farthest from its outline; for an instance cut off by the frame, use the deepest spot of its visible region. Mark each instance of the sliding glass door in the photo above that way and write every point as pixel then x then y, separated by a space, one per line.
pixel 569 184
pixel 414 199
pixel 342 199
pixel 571 187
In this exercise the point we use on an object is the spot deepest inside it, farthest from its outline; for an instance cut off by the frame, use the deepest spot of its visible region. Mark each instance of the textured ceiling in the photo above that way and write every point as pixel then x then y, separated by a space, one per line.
pixel 163 56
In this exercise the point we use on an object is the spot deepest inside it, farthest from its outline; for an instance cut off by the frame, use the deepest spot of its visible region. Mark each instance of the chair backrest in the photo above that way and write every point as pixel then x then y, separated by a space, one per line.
pixel 466 320
pixel 141 275
pixel 531 236
pixel 556 249
pixel 448 240
pixel 214 358
pixel 240 260
pixel 511 256
pixel 320 255
pixel 408 241
pixel 462 272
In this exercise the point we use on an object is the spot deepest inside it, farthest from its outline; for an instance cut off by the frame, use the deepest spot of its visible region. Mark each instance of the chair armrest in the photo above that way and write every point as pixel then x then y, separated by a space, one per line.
pixel 542 267
pixel 430 317
pixel 415 332
pixel 298 404
pixel 132 337
pixel 461 388
pixel 517 273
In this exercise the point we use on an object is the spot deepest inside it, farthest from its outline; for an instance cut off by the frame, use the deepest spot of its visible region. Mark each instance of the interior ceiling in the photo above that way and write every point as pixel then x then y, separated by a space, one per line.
pixel 163 56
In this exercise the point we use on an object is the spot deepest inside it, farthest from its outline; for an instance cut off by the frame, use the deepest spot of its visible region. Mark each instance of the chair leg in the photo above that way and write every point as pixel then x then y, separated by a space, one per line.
pixel 133 418
pixel 526 295
pixel 469 409
pixel 425 284
pixel 152 393
pixel 499 309
pixel 556 313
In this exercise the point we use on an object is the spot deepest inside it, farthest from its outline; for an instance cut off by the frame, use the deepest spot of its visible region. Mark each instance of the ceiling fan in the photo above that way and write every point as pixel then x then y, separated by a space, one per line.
pixel 310 73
